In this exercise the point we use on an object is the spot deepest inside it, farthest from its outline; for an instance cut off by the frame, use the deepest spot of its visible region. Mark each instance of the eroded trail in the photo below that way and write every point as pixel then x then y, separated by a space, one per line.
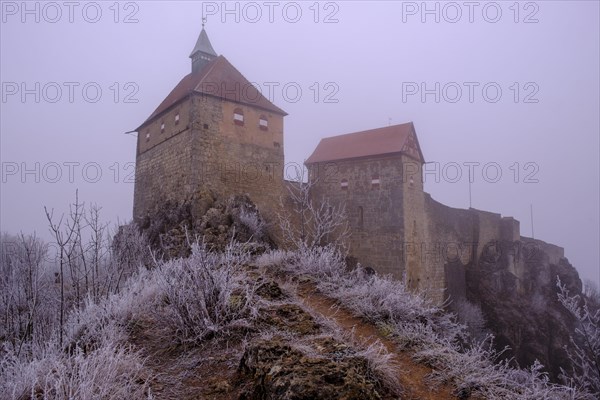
pixel 412 376
pixel 211 370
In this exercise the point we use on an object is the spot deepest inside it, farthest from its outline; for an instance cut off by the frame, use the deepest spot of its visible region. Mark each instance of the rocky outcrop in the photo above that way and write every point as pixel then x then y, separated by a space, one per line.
pixel 171 226
pixel 280 371
pixel 514 283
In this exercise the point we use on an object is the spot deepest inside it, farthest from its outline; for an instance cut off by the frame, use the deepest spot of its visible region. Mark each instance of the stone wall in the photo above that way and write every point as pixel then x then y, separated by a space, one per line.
pixel 206 149
pixel 375 210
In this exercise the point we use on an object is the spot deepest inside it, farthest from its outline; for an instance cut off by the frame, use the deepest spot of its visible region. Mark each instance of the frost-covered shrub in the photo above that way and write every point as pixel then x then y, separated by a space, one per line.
pixel 320 261
pixel 89 325
pixel 274 258
pixel 110 372
pixel 585 351
pixel 470 315
pixel 471 366
pixel 207 293
pixel 383 299
pixel 95 361
pixel 255 224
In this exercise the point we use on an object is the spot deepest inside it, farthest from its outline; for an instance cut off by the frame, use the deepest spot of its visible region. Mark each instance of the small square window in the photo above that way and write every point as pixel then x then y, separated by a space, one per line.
pixel 238 116
pixel 375 182
pixel 263 123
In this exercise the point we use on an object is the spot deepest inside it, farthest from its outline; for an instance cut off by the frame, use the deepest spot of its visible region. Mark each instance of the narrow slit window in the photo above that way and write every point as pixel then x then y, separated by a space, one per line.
pixel 147 135
pixel 344 184
pixel 238 116
pixel 176 118
pixel 162 127
pixel 360 216
pixel 263 123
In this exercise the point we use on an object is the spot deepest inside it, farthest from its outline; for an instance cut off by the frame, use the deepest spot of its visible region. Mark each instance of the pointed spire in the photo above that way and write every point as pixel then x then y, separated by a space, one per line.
pixel 203 52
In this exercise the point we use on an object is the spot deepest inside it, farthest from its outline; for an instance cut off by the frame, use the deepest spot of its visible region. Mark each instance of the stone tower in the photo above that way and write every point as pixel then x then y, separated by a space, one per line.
pixel 214 131
pixel 376 174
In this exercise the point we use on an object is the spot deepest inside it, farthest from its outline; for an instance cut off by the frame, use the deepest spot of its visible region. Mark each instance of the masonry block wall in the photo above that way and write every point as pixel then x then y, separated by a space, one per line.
pixel 198 144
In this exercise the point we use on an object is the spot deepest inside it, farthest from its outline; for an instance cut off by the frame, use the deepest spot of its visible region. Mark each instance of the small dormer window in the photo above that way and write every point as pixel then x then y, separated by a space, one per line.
pixel 176 118
pixel 263 123
pixel 344 184
pixel 162 127
pixel 375 182
pixel 238 116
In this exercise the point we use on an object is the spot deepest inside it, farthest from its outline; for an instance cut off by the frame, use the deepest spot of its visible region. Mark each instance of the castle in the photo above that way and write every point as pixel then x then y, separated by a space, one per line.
pixel 215 131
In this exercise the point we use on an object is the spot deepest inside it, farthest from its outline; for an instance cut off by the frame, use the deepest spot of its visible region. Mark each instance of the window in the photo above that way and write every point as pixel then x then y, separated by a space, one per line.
pixel 375 182
pixel 176 118
pixel 238 116
pixel 263 123
pixel 344 184
pixel 147 134
pixel 162 127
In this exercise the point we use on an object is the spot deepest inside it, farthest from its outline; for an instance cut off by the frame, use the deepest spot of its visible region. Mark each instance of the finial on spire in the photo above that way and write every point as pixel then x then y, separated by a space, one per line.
pixel 203 51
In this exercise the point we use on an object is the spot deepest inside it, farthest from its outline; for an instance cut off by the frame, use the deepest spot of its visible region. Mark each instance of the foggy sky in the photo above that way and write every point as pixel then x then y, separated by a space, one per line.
pixel 357 65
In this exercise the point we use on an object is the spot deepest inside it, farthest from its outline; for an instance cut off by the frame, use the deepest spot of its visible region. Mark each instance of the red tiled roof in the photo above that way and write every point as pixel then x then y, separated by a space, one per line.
pixel 221 79
pixel 388 140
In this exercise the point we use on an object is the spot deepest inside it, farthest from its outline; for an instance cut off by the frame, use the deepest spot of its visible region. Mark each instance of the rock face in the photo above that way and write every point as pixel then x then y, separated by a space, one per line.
pixel 514 283
pixel 282 372
pixel 170 226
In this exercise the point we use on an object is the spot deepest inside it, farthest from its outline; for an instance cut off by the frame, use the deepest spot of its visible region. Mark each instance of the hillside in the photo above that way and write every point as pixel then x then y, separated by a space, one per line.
pixel 220 318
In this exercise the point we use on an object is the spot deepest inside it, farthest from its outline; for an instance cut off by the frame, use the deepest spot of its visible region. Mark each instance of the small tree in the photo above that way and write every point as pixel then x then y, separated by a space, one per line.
pixel 585 351
pixel 307 223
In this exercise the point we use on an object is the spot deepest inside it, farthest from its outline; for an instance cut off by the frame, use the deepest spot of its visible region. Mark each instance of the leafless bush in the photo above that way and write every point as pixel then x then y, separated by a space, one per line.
pixel 110 372
pixel 306 223
pixel 207 293
pixel 26 292
pixel 96 363
pixel 585 351
pixel 471 316
pixel 274 258
pixel 437 339
pixel 319 261
pixel 255 224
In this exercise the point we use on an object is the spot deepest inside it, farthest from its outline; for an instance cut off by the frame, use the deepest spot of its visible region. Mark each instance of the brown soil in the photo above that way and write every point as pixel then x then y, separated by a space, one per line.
pixel 216 369
pixel 412 376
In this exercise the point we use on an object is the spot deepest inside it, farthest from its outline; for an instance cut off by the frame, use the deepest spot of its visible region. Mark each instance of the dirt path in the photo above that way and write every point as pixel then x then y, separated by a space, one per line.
pixel 411 375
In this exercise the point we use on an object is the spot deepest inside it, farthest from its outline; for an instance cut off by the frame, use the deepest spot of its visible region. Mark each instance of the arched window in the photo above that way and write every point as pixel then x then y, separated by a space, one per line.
pixel 344 184
pixel 263 123
pixel 238 116
pixel 360 217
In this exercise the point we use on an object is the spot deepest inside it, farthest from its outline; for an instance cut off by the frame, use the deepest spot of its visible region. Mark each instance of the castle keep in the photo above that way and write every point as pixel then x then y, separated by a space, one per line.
pixel 215 131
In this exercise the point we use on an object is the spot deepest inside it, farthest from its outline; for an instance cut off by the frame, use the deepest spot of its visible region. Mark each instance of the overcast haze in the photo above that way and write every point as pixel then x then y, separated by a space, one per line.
pixel 357 65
